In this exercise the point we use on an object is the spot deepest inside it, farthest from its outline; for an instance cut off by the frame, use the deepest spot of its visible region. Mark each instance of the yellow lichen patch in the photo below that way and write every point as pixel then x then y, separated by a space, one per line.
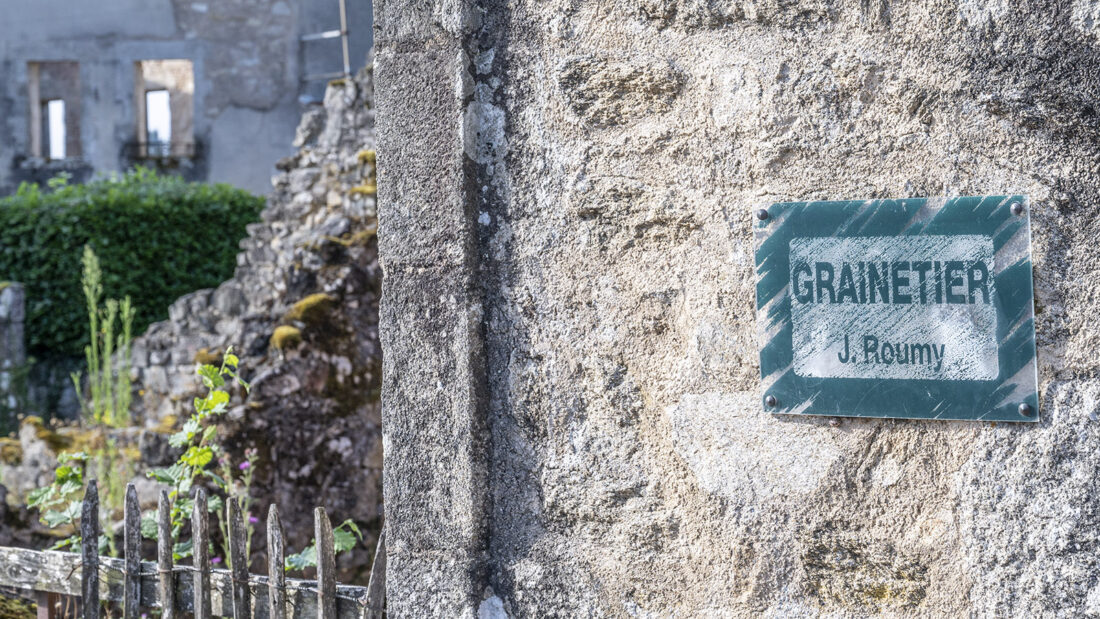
pixel 286 337
pixel 11 452
pixel 167 425
pixel 364 190
pixel 311 309
pixel 55 441
pixel 338 82
pixel 65 439
pixel 76 438
pixel 206 357
pixel 357 239
pixel 366 157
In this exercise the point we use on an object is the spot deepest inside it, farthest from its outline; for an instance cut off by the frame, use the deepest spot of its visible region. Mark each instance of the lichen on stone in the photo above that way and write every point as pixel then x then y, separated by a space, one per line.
pixel 286 337
pixel 207 357
pixel 366 157
pixel 311 309
pixel 11 451
pixel 357 239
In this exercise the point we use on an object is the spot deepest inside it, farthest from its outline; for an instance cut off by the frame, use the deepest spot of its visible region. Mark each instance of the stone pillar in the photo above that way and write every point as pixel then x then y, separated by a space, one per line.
pixel 433 398
pixel 13 354
pixel 572 418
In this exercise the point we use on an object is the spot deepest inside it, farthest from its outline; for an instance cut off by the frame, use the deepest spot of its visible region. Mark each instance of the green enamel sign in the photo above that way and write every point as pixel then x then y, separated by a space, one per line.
pixel 911 309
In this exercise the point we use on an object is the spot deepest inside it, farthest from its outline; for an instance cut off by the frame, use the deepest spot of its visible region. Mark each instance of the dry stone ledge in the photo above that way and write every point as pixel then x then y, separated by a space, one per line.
pixel 571 414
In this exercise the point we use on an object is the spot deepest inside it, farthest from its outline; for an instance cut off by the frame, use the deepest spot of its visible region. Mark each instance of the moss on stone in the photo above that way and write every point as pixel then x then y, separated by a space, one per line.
pixel 74 438
pixel 312 309
pixel 358 239
pixel 206 357
pixel 364 190
pixel 167 425
pixel 15 608
pixel 11 452
pixel 366 156
pixel 286 337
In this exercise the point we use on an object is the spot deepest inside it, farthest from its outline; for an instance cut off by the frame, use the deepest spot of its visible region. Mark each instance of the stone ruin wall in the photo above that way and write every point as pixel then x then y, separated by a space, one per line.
pixel 571 405
pixel 301 313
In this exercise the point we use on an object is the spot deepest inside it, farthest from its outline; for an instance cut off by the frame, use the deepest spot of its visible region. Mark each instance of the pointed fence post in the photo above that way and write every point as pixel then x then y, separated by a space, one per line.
pixel 131 544
pixel 276 574
pixel 326 565
pixel 89 551
pixel 239 558
pixel 376 586
pixel 200 555
pixel 166 581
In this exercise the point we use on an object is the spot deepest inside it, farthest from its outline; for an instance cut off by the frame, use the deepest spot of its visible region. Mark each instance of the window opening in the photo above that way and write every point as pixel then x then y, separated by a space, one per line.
pixel 164 93
pixel 158 122
pixel 55 128
pixel 53 90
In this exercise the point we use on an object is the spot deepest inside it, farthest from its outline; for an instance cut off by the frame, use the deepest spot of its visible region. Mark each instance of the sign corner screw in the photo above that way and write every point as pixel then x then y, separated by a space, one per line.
pixel 770 400
pixel 1017 208
pixel 762 214
pixel 1025 409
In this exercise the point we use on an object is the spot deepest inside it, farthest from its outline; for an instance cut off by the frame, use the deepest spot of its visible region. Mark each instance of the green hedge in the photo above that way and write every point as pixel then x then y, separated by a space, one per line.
pixel 157 237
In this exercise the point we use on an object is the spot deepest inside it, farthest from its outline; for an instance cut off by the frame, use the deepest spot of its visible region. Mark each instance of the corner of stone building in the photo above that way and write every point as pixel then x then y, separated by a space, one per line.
pixel 434 394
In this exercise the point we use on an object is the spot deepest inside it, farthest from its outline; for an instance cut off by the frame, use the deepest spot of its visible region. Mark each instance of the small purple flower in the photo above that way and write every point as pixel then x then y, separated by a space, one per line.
pixel 216 560
pixel 245 465
pixel 253 519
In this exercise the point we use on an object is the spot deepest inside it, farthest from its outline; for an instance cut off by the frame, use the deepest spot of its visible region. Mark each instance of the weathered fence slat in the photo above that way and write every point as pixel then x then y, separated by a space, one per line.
pixel 326 565
pixel 166 585
pixel 376 586
pixel 131 546
pixel 89 551
pixel 276 592
pixel 46 604
pixel 200 555
pixel 238 562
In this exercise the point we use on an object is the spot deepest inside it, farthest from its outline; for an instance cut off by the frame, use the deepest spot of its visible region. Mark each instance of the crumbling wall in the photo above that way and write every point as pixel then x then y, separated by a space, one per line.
pixel 301 311
pixel 571 412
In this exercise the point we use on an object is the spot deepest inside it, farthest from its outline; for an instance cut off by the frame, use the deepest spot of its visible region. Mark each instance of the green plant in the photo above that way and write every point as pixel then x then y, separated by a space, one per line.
pixel 239 488
pixel 344 537
pixel 108 385
pixel 152 234
pixel 198 439
pixel 59 503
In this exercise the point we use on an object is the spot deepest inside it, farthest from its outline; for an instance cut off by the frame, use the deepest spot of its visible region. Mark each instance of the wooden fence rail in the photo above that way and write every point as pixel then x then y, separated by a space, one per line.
pixel 198 589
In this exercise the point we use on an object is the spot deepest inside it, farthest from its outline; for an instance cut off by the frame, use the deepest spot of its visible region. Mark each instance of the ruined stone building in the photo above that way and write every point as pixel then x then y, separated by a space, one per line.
pixel 209 89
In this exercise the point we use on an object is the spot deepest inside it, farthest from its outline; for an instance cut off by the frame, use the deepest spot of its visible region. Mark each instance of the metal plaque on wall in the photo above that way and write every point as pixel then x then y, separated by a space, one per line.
pixel 911 309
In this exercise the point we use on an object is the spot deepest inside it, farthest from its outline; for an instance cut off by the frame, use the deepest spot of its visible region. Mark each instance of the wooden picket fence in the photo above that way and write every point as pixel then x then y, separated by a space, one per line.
pixel 195 589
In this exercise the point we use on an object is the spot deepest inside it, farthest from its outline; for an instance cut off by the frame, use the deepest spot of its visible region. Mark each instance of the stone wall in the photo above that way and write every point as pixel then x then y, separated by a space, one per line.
pixel 301 312
pixel 13 352
pixel 571 407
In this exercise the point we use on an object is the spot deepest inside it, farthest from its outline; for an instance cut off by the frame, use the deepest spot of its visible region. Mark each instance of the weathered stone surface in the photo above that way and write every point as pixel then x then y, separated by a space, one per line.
pixel 614 153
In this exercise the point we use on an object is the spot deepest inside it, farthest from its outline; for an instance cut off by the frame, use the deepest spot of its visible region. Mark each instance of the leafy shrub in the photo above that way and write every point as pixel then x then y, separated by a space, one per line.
pixel 158 238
